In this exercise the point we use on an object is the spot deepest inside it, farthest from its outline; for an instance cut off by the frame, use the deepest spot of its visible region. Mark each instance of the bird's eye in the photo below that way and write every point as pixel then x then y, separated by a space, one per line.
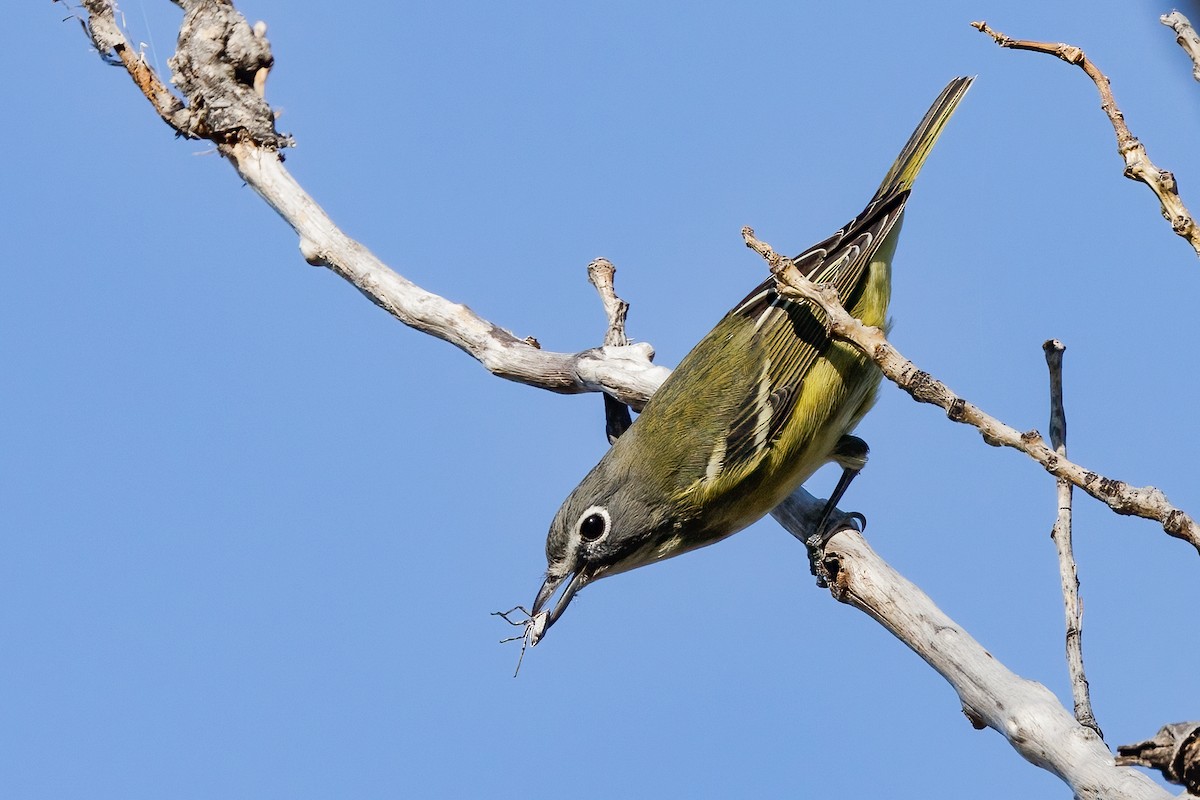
pixel 593 524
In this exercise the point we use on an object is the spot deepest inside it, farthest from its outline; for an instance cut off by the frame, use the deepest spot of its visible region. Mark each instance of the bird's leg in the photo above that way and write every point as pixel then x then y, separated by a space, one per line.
pixel 850 453
pixel 616 418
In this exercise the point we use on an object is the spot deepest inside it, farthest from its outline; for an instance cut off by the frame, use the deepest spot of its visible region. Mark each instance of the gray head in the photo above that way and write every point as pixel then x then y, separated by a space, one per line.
pixel 605 526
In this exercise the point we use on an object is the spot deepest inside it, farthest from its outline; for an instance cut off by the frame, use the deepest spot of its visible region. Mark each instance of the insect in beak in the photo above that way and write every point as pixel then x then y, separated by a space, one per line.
pixel 579 578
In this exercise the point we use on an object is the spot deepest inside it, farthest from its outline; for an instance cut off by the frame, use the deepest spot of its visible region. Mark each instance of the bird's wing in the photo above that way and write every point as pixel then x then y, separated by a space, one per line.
pixel 782 339
pixel 751 368
pixel 788 336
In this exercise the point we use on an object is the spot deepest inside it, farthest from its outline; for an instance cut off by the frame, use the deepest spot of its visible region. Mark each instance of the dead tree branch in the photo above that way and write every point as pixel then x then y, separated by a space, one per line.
pixel 219 65
pixel 1186 36
pixel 1138 166
pixel 1061 534
pixel 1026 713
pixel 617 418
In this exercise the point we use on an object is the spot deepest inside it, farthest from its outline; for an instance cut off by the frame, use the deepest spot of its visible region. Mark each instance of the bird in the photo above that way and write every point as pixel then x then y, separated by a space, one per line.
pixel 751 412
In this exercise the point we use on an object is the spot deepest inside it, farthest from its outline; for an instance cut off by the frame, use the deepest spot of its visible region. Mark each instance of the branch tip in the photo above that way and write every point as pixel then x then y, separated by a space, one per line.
pixel 1138 166
pixel 600 274
pixel 1185 36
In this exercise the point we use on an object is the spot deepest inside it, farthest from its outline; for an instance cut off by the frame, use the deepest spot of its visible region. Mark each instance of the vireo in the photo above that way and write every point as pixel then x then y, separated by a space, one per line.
pixel 763 401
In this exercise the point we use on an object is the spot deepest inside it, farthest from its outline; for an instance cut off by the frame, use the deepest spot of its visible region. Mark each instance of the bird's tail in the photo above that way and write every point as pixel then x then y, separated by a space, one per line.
pixel 902 174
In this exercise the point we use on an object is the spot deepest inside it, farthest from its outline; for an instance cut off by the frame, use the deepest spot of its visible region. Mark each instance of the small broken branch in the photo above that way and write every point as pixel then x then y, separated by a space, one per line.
pixel 1138 166
pixel 1147 502
pixel 1174 751
pixel 1061 534
pixel 1185 36
pixel 101 26
pixel 600 275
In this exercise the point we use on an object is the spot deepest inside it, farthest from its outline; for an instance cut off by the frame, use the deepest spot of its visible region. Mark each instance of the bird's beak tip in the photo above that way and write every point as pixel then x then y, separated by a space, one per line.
pixel 541 618
pixel 547 590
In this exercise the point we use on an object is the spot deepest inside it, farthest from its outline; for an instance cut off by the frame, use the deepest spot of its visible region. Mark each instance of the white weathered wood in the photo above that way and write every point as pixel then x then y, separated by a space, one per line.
pixel 1025 712
pixel 625 372
pixel 1186 36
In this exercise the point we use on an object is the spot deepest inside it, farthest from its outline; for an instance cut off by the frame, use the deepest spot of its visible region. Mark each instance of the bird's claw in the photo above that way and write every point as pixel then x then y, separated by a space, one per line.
pixel 816 543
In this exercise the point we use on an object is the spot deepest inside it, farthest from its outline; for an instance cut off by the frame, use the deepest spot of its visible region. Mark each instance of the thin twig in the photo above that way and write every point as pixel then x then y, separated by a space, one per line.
pixel 1061 534
pixel 1147 502
pixel 101 25
pixel 1186 36
pixel 1138 166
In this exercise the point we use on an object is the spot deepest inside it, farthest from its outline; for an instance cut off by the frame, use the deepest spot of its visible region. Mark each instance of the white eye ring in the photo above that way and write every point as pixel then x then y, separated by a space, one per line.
pixel 594 524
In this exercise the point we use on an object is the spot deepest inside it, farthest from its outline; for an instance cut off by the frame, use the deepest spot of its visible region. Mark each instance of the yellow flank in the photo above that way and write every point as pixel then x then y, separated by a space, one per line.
pixel 836 384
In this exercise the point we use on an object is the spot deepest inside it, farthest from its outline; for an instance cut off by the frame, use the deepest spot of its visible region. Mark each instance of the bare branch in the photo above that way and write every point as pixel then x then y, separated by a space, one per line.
pixel 1186 36
pixel 600 274
pixel 626 372
pixel 1138 166
pixel 221 61
pixel 1061 534
pixel 1147 502
pixel 1026 713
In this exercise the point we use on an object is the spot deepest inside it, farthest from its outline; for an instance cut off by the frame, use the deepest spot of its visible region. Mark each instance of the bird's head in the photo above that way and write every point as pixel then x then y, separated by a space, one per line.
pixel 608 524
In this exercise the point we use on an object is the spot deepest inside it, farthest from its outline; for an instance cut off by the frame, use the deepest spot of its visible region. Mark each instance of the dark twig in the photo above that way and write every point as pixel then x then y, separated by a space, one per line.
pixel 1174 751
pixel 1061 534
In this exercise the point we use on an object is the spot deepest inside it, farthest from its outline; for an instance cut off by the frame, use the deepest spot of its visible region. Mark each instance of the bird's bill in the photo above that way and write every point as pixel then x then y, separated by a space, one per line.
pixel 579 579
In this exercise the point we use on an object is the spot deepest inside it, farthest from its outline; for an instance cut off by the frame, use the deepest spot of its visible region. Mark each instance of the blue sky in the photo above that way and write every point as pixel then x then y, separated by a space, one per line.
pixel 253 527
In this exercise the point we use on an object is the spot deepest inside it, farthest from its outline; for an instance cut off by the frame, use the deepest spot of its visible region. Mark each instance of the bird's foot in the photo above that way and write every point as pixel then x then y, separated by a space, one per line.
pixel 815 544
